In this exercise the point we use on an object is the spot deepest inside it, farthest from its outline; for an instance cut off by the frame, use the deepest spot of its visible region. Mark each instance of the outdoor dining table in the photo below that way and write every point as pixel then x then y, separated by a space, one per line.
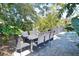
pixel 32 38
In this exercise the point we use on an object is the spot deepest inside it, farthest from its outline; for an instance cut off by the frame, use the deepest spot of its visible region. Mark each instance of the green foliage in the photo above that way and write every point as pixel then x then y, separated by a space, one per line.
pixel 75 24
pixel 7 31
pixel 51 20
pixel 26 10
pixel 41 24
pixel 46 23
pixel 27 25
pixel 44 9
pixel 16 15
pixel 69 7
pixel 13 19
pixel 69 27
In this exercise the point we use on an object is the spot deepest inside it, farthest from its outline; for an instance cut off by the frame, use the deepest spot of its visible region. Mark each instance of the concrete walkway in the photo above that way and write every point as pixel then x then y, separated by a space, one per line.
pixel 59 47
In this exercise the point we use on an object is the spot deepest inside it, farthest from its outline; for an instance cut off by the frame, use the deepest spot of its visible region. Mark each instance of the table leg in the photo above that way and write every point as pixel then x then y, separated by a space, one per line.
pixel 31 47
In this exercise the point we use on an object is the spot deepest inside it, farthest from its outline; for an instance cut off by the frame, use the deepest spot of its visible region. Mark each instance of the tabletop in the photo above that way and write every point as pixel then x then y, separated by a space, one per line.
pixel 32 37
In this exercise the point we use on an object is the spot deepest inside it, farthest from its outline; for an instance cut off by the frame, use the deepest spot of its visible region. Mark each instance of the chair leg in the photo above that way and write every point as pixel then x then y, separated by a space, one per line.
pixel 31 47
pixel 20 52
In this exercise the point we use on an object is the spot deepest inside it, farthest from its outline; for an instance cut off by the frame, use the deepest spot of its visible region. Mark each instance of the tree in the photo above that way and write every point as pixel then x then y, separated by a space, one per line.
pixel 69 7
pixel 17 15
pixel 46 23
pixel 75 24
pixel 51 20
pixel 16 18
pixel 43 8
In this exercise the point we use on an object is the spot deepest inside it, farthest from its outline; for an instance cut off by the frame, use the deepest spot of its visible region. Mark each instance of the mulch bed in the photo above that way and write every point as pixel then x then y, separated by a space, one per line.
pixel 5 51
pixel 9 48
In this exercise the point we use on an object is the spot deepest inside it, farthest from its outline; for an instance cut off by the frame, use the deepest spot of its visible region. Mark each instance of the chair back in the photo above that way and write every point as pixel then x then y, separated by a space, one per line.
pixel 34 32
pixel 47 34
pixel 25 34
pixel 41 38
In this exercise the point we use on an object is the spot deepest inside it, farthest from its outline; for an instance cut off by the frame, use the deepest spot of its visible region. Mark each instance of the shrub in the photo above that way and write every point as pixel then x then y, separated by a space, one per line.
pixel 69 27
pixel 75 24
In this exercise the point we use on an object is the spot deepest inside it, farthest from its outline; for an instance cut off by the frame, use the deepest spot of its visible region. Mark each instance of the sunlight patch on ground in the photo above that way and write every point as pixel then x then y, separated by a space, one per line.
pixel 56 37
pixel 22 53
pixel 62 33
